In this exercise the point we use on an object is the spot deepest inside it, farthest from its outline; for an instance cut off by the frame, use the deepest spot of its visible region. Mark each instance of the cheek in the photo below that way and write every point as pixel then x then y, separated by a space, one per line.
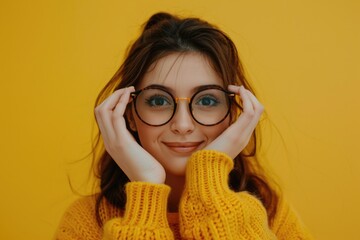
pixel 214 131
pixel 148 135
pixel 144 131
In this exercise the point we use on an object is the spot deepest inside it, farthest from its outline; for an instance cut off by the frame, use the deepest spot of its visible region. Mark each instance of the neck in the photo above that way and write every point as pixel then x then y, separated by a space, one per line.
pixel 177 184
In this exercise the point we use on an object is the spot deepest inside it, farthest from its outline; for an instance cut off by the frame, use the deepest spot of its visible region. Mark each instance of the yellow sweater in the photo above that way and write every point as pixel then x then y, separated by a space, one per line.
pixel 208 210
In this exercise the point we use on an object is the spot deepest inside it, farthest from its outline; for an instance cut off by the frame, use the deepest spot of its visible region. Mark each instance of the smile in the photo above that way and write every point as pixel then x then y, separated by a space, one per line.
pixel 183 147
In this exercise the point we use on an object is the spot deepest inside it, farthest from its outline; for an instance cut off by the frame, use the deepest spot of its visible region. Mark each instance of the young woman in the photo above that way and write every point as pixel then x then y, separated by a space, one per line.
pixel 176 159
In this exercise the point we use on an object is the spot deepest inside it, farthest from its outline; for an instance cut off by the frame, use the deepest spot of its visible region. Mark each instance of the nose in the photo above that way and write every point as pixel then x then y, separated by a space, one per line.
pixel 182 122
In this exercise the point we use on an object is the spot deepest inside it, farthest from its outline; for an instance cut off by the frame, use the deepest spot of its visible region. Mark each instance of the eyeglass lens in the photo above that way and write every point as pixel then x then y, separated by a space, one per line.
pixel 157 107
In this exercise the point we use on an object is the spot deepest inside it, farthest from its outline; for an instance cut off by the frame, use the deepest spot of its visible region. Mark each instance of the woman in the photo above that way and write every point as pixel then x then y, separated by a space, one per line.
pixel 177 157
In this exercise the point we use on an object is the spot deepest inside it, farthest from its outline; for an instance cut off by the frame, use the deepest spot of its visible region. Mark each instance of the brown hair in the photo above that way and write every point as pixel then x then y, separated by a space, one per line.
pixel 162 35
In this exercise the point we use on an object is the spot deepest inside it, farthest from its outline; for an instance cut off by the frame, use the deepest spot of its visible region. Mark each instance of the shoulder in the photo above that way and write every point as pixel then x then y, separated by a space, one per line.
pixel 80 218
pixel 252 207
pixel 287 223
pixel 81 204
pixel 86 206
pixel 81 208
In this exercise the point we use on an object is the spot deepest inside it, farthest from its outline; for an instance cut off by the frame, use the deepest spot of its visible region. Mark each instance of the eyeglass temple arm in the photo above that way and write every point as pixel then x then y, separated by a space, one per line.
pixel 134 94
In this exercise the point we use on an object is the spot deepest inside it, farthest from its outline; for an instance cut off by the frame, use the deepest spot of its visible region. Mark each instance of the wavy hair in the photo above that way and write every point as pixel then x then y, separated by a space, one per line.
pixel 164 34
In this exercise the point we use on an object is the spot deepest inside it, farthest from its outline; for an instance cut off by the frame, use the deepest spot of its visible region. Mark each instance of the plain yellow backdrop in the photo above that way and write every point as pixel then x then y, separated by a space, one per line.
pixel 302 57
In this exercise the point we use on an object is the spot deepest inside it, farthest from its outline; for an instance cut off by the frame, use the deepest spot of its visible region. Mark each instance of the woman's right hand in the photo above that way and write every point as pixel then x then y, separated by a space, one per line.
pixel 135 161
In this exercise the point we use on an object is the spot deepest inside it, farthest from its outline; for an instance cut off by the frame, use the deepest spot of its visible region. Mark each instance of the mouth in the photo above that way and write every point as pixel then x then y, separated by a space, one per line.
pixel 183 147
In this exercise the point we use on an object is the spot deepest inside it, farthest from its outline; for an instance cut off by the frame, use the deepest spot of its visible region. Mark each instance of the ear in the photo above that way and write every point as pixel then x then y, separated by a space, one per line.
pixel 130 118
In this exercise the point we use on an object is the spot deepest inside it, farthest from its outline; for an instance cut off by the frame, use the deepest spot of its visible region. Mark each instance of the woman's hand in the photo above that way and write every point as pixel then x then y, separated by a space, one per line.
pixel 236 137
pixel 136 163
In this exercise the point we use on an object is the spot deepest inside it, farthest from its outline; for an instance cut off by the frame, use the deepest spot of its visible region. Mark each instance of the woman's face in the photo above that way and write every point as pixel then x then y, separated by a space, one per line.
pixel 173 143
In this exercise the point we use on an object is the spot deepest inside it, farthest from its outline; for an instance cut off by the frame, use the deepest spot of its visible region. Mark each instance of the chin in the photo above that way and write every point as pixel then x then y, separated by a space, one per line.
pixel 177 173
pixel 176 170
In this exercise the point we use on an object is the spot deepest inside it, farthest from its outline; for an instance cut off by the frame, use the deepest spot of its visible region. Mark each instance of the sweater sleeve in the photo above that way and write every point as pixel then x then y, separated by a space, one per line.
pixel 144 216
pixel 209 209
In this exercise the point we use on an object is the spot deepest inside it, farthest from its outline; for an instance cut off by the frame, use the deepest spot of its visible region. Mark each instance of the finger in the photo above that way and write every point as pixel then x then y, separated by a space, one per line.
pixel 258 107
pixel 248 108
pixel 248 120
pixel 233 88
pixel 103 114
pixel 124 99
pixel 254 117
pixel 239 133
pixel 117 117
pixel 113 99
pixel 101 124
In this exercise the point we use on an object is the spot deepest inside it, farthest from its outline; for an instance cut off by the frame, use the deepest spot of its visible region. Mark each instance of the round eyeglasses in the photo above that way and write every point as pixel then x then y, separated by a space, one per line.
pixel 155 106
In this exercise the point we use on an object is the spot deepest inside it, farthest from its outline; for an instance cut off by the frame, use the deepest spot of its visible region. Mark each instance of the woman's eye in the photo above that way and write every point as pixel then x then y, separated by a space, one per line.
pixel 157 101
pixel 207 101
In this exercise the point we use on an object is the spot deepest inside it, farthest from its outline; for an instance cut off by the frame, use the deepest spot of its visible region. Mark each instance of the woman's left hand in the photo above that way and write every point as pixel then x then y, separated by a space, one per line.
pixel 236 137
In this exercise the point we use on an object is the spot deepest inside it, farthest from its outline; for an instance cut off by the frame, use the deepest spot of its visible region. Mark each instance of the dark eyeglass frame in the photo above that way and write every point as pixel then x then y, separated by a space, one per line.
pixel 229 94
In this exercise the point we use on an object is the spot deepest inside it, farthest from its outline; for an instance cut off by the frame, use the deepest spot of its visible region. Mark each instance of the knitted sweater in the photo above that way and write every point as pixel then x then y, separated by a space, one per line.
pixel 208 210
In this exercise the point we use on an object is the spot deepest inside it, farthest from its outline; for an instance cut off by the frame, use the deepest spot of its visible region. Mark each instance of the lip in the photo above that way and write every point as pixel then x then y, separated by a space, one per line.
pixel 183 147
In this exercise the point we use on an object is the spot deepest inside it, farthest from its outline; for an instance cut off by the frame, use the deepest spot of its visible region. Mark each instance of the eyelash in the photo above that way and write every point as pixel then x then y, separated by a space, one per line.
pixel 152 98
pixel 212 98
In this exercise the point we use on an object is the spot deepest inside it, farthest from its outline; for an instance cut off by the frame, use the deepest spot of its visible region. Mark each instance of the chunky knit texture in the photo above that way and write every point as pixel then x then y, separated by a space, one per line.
pixel 208 210
pixel 145 214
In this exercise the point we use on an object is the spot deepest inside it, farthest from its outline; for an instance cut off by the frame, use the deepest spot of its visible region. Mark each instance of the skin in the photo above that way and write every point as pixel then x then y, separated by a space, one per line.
pixel 165 149
pixel 173 143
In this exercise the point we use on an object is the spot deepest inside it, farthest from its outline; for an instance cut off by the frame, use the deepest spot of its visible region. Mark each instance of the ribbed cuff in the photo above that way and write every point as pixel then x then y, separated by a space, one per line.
pixel 207 172
pixel 146 204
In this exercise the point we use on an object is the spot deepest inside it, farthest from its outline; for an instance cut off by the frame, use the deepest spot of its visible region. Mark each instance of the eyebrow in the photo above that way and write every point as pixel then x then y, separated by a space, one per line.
pixel 172 91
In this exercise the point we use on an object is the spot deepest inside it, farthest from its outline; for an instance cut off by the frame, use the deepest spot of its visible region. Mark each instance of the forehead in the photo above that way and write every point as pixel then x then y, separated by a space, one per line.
pixel 181 72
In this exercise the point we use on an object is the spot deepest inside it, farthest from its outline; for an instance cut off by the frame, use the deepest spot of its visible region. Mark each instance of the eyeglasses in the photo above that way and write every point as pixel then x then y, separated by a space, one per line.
pixel 209 106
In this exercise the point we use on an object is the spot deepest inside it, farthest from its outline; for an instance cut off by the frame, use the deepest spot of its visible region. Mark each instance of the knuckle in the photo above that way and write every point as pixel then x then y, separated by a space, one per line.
pixel 122 100
pixel 97 110
pixel 100 112
pixel 114 117
pixel 250 114
pixel 261 108
pixel 97 113
pixel 119 90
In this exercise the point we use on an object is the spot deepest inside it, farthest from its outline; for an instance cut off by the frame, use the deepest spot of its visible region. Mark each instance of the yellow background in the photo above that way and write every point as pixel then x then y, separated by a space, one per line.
pixel 302 56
